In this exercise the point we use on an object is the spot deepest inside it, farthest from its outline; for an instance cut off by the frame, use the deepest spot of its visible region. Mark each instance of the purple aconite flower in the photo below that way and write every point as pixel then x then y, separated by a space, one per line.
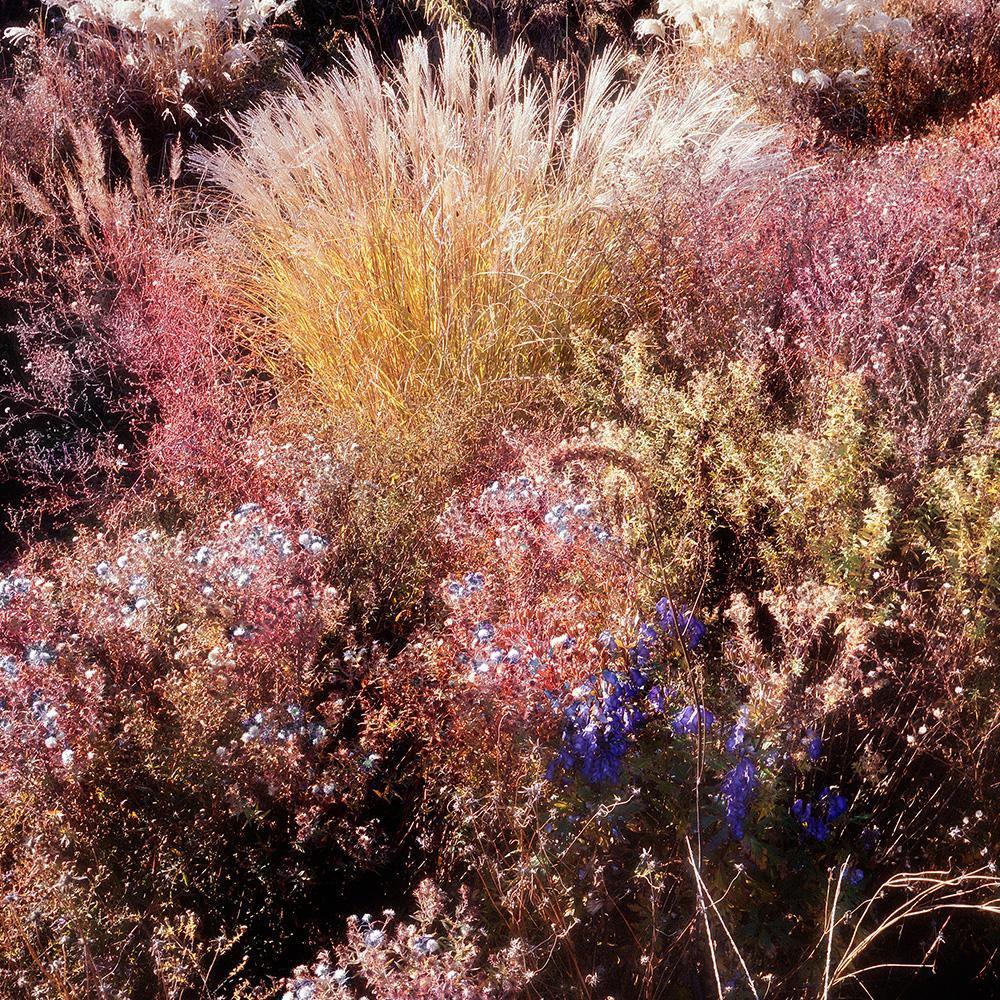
pixel 599 725
pixel 836 805
pixel 644 644
pixel 814 818
pixel 686 720
pixel 606 641
pixel 738 735
pixel 657 700
pixel 682 624
pixel 870 837
pixel 809 820
pixel 738 787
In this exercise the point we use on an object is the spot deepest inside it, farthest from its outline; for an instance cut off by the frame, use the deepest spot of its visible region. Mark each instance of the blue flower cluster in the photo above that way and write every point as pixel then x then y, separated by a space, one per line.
pixel 564 517
pixel 372 935
pixel 12 587
pixel 686 720
pixel 670 626
pixel 738 787
pixel 232 557
pixel 814 818
pixel 426 945
pixel 37 654
pixel 46 714
pixel 459 590
pixel 484 659
pixel 599 723
pixel 567 519
pixel 266 727
pixel 48 718
pixel 301 989
pixel 680 623
pixel 518 488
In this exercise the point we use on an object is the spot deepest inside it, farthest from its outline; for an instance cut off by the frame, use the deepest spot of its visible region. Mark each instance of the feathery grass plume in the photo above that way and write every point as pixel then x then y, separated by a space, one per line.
pixel 432 233
pixel 453 12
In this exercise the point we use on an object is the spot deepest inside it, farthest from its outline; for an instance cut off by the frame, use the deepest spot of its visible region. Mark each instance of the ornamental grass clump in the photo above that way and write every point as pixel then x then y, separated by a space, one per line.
pixel 430 235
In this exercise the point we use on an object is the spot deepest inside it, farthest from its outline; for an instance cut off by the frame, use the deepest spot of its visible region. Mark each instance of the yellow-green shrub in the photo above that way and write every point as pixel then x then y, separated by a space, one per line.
pixel 960 531
pixel 798 494
pixel 822 482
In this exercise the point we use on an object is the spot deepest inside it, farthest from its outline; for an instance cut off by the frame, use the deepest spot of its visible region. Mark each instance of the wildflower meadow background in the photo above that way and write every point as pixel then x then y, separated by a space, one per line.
pixel 500 499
